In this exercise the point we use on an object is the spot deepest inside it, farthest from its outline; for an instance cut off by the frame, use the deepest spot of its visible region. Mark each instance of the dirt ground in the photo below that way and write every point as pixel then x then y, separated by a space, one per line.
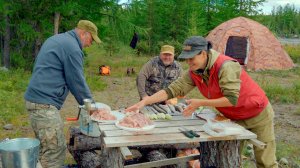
pixel 121 92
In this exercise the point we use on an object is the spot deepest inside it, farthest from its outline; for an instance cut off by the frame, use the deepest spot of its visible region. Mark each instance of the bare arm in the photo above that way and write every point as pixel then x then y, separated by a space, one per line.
pixel 157 97
pixel 193 104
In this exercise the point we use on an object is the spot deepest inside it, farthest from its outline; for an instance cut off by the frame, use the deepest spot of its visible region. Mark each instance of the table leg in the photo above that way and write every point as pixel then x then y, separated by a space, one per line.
pixel 111 157
pixel 225 154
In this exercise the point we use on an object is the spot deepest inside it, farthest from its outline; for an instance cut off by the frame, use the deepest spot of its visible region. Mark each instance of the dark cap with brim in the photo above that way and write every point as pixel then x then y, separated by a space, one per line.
pixel 193 46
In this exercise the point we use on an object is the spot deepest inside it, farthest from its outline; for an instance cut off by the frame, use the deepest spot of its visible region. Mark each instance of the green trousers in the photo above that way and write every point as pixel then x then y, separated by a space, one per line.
pixel 48 128
pixel 263 126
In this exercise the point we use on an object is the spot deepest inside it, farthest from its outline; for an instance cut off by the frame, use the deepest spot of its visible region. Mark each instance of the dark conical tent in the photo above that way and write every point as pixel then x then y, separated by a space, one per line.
pixel 251 43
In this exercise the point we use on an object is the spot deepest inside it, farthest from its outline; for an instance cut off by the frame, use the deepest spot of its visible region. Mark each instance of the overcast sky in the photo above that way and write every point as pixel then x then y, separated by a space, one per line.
pixel 268 6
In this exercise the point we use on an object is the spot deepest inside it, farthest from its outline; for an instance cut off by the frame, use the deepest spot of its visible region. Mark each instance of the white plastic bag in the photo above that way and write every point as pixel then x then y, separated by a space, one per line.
pixel 219 129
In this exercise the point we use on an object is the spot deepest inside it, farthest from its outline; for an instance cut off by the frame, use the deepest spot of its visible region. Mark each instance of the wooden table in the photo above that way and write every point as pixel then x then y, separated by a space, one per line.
pixel 114 140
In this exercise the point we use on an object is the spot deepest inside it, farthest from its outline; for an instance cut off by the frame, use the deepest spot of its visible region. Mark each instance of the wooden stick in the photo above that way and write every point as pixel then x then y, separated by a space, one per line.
pixel 258 143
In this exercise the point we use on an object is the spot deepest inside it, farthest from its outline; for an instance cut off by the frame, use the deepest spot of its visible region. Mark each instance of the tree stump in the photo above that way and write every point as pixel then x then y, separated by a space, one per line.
pixel 79 141
pixel 223 154
pixel 82 148
pixel 86 159
pixel 111 157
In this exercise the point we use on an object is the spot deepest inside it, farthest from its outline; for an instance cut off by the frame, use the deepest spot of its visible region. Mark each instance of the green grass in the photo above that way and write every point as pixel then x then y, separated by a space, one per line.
pixel 12 108
pixel 294 52
pixel 126 57
pixel 297 112
pixel 288 151
pixel 280 86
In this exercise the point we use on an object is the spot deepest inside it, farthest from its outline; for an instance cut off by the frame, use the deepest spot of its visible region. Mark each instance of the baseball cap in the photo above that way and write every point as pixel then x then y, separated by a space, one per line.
pixel 193 46
pixel 89 27
pixel 167 49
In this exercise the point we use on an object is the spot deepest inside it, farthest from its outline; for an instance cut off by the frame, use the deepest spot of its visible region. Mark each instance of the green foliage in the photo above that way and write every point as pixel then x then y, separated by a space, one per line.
pixel 143 46
pixel 177 45
pixel 12 86
pixel 284 21
pixel 95 82
pixel 288 151
pixel 119 61
pixel 156 22
pixel 294 52
pixel 280 86
pixel 111 46
pixel 19 61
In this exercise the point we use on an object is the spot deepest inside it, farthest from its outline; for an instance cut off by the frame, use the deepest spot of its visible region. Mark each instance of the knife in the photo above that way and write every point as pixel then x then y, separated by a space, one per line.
pixel 191 132
pixel 186 133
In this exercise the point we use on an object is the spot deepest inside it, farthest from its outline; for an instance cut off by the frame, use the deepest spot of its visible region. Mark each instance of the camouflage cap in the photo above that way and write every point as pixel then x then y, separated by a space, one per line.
pixel 193 46
pixel 89 27
pixel 167 49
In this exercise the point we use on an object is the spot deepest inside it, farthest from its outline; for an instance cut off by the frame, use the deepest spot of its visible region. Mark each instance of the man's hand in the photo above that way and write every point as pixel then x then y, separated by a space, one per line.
pixel 193 104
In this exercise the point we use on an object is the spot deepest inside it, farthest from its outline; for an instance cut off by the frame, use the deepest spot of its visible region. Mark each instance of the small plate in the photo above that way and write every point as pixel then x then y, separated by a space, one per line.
pixel 146 128
pixel 117 114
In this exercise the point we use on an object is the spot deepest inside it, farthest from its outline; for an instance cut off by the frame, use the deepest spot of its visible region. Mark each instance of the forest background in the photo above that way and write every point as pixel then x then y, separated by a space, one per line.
pixel 25 24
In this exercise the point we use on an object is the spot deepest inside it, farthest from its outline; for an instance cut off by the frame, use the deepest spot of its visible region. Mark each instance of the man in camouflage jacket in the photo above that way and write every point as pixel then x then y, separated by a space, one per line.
pixel 158 72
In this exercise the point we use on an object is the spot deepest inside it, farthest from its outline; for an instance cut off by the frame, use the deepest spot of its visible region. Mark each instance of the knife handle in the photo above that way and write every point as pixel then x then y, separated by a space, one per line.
pixel 194 133
pixel 187 134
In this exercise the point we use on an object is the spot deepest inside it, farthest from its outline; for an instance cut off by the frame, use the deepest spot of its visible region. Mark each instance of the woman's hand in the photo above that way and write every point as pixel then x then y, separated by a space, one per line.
pixel 193 104
pixel 135 108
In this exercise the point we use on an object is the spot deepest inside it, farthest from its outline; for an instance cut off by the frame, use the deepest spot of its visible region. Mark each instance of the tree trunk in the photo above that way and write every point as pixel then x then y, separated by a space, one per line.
pixel 6 47
pixel 38 41
pixel 223 154
pixel 56 22
pixel 1 50
pixel 82 142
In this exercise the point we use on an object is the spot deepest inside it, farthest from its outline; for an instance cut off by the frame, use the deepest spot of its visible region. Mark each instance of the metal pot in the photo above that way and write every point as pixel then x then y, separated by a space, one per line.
pixel 19 153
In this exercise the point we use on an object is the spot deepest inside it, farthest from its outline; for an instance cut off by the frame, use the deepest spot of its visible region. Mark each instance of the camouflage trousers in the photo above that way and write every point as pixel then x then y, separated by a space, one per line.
pixel 48 128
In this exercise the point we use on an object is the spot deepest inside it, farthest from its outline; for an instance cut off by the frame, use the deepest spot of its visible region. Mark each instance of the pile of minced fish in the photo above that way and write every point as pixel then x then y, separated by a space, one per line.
pixel 160 111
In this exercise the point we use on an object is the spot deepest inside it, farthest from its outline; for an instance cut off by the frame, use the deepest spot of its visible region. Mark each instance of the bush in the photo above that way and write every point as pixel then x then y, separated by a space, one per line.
pixel 294 52
pixel 143 47
pixel 18 61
